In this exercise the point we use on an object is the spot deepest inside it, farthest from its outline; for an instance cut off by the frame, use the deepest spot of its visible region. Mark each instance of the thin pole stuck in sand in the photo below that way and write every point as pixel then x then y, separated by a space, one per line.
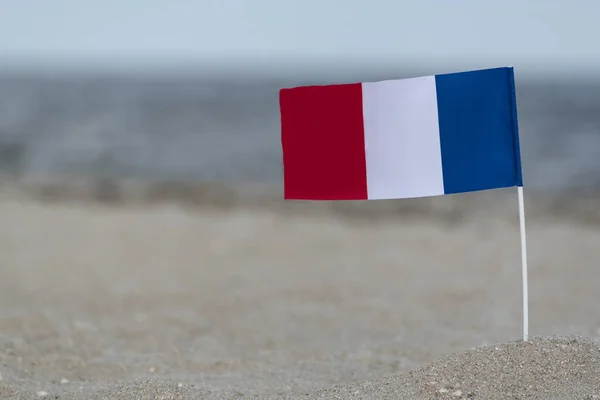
pixel 524 264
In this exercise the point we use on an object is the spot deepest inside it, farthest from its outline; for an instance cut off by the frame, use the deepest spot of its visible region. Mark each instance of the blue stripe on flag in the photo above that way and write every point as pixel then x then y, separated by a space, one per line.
pixel 479 135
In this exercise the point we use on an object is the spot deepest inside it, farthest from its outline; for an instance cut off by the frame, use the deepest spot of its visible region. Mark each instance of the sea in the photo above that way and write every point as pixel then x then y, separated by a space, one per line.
pixel 204 129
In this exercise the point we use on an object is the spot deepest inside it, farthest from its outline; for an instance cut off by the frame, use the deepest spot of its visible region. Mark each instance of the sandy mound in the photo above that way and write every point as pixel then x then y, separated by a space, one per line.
pixel 542 368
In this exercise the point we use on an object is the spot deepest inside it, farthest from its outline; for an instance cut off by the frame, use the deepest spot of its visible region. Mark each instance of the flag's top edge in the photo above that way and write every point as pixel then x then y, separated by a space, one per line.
pixel 391 80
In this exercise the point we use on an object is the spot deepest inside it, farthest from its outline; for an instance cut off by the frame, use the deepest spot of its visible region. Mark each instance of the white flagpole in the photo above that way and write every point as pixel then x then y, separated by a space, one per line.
pixel 524 264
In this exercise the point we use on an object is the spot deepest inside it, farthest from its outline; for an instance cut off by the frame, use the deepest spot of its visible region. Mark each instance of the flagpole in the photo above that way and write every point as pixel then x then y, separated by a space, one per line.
pixel 524 263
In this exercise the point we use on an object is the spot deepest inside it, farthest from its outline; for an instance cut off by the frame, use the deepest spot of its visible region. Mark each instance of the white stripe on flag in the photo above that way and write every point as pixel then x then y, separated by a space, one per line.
pixel 402 138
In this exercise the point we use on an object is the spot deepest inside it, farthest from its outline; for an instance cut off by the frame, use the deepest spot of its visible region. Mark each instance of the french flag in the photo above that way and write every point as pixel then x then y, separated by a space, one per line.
pixel 417 137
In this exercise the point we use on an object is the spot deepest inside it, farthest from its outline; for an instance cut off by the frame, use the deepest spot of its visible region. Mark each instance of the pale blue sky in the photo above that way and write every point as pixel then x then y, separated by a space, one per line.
pixel 534 34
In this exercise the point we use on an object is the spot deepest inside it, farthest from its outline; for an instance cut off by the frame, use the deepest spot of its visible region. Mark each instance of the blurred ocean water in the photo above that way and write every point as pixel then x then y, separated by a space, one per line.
pixel 228 131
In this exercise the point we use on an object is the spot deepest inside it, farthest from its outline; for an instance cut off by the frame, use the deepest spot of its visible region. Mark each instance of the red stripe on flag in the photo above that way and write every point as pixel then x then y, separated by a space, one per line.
pixel 323 143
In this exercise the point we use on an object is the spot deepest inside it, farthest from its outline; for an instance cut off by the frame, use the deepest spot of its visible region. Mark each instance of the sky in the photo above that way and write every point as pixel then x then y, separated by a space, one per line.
pixel 537 35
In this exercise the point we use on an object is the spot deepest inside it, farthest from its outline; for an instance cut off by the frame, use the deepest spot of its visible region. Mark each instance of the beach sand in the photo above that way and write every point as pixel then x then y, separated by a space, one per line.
pixel 159 299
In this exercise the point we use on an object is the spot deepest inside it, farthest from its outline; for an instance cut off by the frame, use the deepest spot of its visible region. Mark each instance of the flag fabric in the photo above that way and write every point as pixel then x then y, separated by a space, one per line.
pixel 416 137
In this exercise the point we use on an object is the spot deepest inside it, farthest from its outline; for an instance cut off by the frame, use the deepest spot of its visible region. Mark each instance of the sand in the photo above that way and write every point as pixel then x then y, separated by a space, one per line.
pixel 541 368
pixel 133 300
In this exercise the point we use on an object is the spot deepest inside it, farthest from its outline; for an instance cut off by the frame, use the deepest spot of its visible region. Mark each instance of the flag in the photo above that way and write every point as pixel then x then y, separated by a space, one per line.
pixel 392 139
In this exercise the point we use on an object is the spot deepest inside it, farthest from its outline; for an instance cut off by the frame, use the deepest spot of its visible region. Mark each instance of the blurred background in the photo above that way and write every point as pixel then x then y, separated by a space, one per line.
pixel 142 226
pixel 188 90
